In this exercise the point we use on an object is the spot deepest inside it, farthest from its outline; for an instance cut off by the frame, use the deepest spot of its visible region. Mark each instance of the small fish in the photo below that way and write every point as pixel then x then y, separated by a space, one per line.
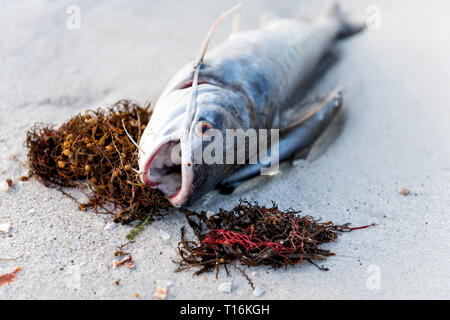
pixel 256 79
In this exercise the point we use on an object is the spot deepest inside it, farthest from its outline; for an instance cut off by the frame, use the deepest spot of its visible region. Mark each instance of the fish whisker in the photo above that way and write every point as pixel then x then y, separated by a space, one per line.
pixel 131 138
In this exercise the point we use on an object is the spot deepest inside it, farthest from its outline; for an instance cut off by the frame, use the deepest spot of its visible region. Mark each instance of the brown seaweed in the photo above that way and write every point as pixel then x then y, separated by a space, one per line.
pixel 93 151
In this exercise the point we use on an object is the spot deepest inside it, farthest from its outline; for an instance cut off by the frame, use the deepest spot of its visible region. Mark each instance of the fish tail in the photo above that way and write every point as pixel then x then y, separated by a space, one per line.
pixel 348 26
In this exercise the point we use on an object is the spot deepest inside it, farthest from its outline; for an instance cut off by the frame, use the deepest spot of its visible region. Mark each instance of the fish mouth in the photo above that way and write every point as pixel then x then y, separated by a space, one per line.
pixel 166 171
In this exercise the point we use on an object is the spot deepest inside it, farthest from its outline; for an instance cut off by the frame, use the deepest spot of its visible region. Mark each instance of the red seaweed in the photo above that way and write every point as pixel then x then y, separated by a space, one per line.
pixel 255 235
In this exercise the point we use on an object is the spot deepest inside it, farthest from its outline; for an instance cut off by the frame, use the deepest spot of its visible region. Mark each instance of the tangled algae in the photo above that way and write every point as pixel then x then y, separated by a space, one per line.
pixel 255 235
pixel 93 151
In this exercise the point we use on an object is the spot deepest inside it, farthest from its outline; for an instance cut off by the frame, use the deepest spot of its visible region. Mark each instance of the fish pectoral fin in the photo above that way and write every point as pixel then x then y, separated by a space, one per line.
pixel 314 109
pixel 295 141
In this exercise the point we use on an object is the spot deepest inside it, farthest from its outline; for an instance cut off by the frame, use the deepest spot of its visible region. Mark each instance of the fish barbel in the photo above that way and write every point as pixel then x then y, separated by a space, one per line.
pixel 254 80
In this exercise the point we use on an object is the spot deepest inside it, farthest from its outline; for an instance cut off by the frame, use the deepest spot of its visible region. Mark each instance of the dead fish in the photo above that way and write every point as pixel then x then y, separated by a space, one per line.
pixel 256 79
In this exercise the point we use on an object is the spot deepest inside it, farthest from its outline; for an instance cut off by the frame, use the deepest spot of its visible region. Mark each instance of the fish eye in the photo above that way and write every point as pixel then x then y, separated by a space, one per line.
pixel 202 128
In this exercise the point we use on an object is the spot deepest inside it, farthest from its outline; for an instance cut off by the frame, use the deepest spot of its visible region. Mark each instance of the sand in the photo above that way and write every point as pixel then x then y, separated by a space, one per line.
pixel 393 132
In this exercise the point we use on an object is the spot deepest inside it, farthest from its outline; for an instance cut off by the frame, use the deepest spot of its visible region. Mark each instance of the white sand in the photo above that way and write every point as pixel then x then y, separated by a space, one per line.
pixel 394 132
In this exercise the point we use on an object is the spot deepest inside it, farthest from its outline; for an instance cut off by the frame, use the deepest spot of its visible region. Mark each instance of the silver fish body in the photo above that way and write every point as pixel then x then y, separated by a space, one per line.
pixel 251 81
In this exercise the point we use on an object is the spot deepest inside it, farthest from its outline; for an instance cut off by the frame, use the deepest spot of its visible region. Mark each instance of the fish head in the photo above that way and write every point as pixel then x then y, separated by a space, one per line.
pixel 186 159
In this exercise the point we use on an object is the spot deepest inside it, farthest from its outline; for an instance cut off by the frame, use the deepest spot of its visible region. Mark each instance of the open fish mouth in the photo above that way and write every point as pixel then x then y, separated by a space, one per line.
pixel 164 171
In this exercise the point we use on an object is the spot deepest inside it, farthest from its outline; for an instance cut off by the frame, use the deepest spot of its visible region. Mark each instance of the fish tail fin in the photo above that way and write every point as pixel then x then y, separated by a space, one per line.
pixel 348 26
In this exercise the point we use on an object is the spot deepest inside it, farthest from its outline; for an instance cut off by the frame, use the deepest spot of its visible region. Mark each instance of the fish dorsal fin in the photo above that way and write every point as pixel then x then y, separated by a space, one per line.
pixel 205 42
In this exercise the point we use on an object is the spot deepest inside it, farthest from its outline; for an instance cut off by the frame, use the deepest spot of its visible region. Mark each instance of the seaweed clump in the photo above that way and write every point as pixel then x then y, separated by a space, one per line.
pixel 255 235
pixel 93 151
